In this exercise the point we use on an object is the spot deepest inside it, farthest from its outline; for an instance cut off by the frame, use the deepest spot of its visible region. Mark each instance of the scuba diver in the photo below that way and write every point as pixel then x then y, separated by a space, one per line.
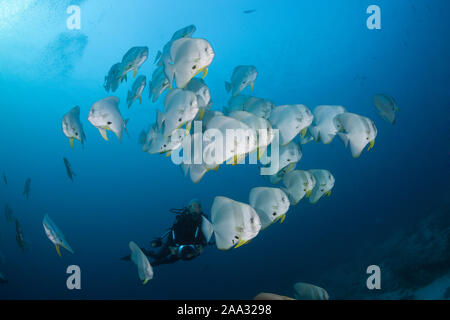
pixel 183 241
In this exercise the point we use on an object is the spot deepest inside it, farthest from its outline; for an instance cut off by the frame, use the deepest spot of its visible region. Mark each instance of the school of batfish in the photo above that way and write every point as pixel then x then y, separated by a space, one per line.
pixel 188 100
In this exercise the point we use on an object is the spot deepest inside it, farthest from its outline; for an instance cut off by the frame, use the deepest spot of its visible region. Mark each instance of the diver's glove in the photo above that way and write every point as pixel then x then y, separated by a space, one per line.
pixel 156 243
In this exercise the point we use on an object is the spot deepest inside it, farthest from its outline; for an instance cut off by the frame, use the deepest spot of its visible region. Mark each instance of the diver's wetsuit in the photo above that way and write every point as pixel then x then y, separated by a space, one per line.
pixel 185 231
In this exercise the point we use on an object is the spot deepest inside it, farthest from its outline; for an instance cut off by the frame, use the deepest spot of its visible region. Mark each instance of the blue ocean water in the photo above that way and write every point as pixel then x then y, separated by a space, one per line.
pixel 309 52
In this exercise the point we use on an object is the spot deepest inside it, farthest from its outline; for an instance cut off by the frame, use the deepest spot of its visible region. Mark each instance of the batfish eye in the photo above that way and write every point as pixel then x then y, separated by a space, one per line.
pixel 164 145
pixel 76 133
pixel 321 190
pixel 109 122
pixel 194 67
pixel 288 160
pixel 274 214
pixel 179 120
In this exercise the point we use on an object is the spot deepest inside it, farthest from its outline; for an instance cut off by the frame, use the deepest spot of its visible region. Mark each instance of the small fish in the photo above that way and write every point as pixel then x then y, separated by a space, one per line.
pixel 324 184
pixel 4 178
pixel 158 84
pixel 180 108
pixel 356 130
pixel 249 11
pixel 23 245
pixel 291 120
pixel 145 269
pixel 203 95
pixel 299 184
pixel 244 141
pixel 261 126
pixel 132 60
pixel 258 106
pixel 323 128
pixel 72 127
pixel 271 204
pixel 242 77
pixel 55 235
pixel 136 90
pixel 386 106
pixel 26 190
pixel 234 223
pixel 113 79
pixel 8 213
pixel 185 32
pixel 289 155
pixel 306 291
pixel 105 116
pixel 188 57
pixel 154 141
pixel 69 170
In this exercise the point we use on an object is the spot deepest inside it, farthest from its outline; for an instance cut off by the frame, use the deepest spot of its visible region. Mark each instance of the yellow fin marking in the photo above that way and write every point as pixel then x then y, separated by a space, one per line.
pixel 57 250
pixel 241 243
pixel 205 72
